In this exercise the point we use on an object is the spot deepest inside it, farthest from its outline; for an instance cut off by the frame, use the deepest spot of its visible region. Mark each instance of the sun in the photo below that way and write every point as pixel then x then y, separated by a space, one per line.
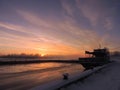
pixel 42 55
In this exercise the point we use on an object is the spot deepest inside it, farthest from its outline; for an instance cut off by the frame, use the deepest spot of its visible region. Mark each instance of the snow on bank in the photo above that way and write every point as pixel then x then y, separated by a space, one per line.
pixel 107 79
pixel 61 83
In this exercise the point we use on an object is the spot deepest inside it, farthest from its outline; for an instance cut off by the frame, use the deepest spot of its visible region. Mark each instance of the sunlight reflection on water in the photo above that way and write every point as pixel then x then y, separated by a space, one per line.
pixel 27 67
pixel 37 66
pixel 37 74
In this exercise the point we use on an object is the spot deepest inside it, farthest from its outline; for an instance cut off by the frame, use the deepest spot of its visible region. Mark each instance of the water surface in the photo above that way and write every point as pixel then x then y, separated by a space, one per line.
pixel 27 76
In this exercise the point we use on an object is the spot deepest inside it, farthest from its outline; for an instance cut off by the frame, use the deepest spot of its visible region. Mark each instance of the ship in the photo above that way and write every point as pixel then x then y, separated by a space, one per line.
pixel 97 57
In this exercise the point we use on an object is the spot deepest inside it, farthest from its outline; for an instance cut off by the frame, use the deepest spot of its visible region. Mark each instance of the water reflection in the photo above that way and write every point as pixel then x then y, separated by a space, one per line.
pixel 29 67
pixel 31 75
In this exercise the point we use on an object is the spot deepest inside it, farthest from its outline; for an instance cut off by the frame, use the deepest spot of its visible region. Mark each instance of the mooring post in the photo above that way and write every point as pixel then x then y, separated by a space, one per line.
pixel 65 76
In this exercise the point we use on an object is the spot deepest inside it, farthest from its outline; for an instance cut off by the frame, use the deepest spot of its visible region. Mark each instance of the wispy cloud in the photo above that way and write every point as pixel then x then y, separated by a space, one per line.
pixel 67 7
pixel 99 16
pixel 108 24
pixel 35 40
pixel 56 36
pixel 73 35
pixel 96 11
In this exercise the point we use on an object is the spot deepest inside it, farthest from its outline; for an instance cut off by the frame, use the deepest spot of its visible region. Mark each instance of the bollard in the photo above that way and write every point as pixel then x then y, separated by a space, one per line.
pixel 65 76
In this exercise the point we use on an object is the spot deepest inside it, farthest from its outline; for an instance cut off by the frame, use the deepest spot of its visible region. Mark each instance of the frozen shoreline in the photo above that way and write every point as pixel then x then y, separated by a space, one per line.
pixel 66 83
pixel 106 77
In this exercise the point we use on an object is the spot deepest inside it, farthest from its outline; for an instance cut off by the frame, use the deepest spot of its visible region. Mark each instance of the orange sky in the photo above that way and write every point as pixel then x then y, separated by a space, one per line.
pixel 58 27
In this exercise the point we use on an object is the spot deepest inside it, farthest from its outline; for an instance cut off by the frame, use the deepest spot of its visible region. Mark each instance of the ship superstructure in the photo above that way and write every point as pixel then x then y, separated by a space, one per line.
pixel 96 58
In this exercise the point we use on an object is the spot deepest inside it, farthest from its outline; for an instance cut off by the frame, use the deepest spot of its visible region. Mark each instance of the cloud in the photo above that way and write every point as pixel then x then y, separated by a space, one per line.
pixel 14 27
pixel 29 39
pixel 28 31
pixel 67 7
pixel 35 20
pixel 35 40
pixel 48 35
pixel 101 16
pixel 66 31
pixel 88 8
pixel 82 25
pixel 108 24
pixel 97 12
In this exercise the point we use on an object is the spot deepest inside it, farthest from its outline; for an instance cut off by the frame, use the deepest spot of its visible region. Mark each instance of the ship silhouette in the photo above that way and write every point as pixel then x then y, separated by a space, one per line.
pixel 97 57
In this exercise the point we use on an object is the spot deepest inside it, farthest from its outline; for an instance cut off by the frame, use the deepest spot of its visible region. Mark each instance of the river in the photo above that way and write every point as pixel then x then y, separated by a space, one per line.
pixel 26 76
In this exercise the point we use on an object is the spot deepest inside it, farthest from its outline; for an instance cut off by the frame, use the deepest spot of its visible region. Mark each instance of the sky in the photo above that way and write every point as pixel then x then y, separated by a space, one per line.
pixel 58 27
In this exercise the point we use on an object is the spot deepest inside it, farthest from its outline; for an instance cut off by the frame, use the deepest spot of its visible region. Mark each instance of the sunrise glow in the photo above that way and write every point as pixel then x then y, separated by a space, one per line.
pixel 42 55
pixel 58 27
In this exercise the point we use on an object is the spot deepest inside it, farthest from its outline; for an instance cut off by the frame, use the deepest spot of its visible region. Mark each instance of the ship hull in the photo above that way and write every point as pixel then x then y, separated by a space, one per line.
pixel 90 63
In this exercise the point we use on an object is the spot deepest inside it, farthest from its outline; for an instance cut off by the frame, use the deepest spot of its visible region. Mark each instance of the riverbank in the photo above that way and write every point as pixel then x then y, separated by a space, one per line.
pixel 100 78
pixel 60 84
pixel 30 61
pixel 106 79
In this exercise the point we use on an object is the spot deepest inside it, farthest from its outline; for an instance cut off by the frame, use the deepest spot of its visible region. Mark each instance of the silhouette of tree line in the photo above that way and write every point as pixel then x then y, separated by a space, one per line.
pixel 22 55
pixel 115 53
